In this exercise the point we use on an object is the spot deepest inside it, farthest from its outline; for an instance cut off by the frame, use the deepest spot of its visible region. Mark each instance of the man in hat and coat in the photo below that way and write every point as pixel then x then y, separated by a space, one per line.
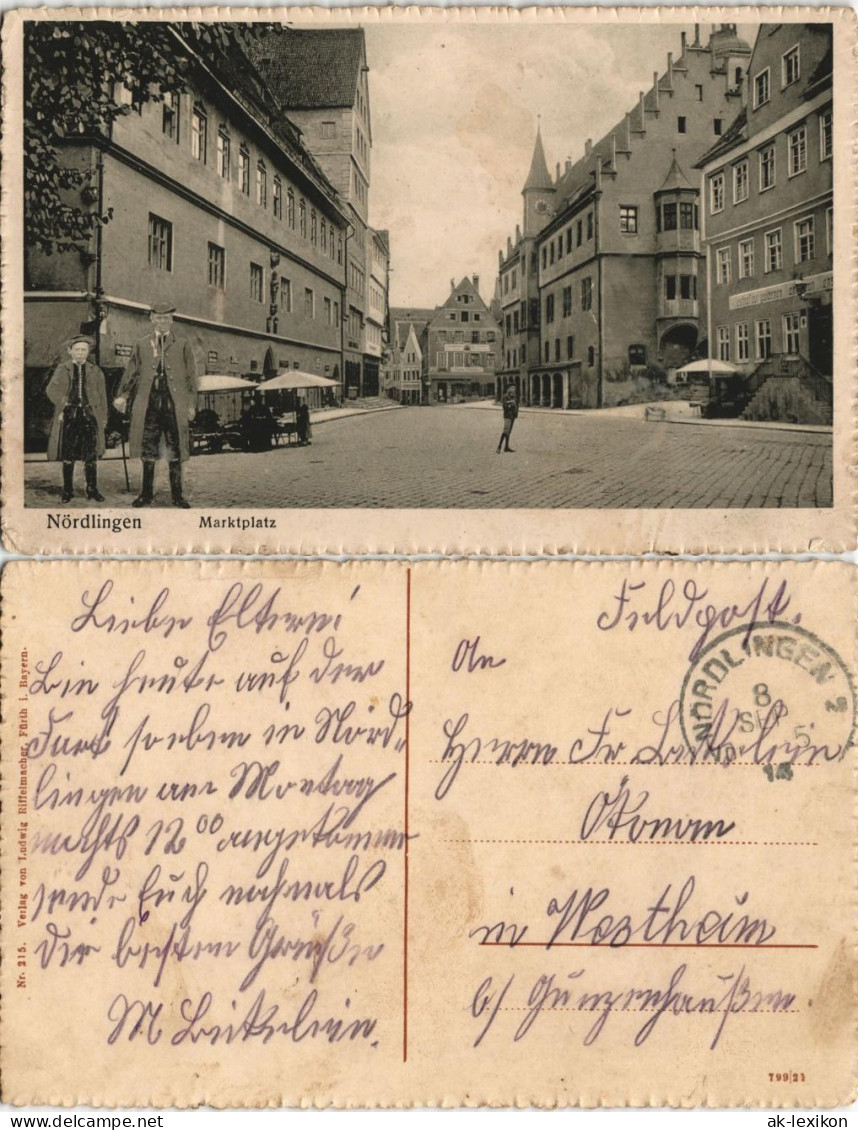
pixel 77 391
pixel 161 381
pixel 510 412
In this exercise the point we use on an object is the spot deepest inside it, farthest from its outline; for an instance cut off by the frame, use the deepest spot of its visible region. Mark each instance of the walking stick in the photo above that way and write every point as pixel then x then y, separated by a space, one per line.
pixel 124 460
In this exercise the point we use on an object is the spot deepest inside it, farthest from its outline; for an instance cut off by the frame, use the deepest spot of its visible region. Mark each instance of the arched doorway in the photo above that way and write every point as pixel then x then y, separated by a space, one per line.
pixel 677 345
pixel 269 365
pixel 557 391
pixel 546 390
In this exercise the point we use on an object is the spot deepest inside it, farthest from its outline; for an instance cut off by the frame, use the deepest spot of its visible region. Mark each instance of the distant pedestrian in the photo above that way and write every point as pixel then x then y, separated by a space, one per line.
pixel 77 391
pixel 257 424
pixel 510 412
pixel 302 416
pixel 161 380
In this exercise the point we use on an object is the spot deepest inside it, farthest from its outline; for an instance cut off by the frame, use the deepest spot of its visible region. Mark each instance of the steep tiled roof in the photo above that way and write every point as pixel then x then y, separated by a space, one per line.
pixel 676 178
pixel 403 318
pixel 821 76
pixel 312 69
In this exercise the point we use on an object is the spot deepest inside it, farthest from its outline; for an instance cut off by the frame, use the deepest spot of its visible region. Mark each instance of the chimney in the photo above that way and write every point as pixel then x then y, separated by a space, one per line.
pixel 670 70
pixel 682 39
pixel 588 145
pixel 643 113
pixel 568 164
pixel 500 259
pixel 475 279
pixel 517 234
pixel 696 35
pixel 508 246
pixel 655 87
pixel 557 172
pixel 453 281
pixel 614 151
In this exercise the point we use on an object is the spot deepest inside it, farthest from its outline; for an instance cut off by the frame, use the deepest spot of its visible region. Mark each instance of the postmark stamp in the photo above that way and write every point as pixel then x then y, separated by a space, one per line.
pixel 740 698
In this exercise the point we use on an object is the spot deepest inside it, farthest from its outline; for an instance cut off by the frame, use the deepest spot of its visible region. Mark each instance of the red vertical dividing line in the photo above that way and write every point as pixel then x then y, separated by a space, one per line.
pixel 406 828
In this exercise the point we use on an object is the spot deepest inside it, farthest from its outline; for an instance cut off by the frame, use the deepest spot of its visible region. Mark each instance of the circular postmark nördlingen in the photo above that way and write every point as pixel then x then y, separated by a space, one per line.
pixel 768 693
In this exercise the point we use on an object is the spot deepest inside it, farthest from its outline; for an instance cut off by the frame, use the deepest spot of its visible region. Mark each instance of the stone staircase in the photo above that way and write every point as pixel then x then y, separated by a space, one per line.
pixel 789 389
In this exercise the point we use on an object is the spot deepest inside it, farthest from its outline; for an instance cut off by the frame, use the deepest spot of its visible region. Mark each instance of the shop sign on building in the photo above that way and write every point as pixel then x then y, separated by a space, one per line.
pixel 814 284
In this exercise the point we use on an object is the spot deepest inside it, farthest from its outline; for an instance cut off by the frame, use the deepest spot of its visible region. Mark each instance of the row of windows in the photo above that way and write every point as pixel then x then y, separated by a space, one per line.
pixel 554 249
pixel 586 300
pixel 464 316
pixel 161 257
pixel 318 230
pixel 804 249
pixel 570 351
pixel 797 150
pixel 790 73
pixel 461 360
pixel 475 337
pixel 762 339
pixel 510 280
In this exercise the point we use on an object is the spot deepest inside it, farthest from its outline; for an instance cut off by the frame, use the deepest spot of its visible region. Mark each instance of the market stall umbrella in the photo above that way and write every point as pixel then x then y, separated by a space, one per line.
pixel 295 379
pixel 213 382
pixel 708 365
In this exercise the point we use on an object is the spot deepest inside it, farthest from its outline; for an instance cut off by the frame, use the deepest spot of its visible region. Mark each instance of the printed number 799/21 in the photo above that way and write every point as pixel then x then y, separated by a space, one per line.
pixel 786 1077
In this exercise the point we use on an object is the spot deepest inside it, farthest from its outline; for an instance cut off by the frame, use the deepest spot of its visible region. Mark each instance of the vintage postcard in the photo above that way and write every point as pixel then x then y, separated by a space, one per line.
pixel 492 281
pixel 371 834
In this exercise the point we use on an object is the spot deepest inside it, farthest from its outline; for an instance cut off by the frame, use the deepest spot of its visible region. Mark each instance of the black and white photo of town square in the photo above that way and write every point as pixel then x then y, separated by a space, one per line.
pixel 436 265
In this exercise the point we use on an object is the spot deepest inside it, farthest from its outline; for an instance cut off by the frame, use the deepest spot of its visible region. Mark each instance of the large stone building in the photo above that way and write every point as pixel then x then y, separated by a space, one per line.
pixel 218 208
pixel 460 345
pixel 320 78
pixel 768 223
pixel 604 273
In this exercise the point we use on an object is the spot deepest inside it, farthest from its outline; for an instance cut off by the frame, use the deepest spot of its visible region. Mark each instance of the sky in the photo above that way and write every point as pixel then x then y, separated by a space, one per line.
pixel 454 116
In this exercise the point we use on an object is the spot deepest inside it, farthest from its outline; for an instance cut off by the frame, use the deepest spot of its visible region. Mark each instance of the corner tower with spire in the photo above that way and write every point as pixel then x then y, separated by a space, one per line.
pixel 538 191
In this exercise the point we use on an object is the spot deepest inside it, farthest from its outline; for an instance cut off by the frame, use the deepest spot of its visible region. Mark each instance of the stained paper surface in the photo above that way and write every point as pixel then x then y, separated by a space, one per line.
pixel 378 834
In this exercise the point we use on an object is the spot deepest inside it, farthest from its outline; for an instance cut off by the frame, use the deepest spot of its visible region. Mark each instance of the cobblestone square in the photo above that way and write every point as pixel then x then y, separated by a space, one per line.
pixel 445 457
